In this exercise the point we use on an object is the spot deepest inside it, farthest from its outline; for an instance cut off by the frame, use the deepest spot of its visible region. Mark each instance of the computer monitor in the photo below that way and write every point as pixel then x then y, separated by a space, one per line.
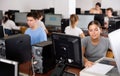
pixel 18 48
pixel 53 20
pixel 68 48
pixel 84 20
pixel 8 67
pixel 100 18
pixel 20 17
pixel 1 31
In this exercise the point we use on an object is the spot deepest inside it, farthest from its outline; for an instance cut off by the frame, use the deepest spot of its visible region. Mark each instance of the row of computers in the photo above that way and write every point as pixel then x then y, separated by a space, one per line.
pixel 16 49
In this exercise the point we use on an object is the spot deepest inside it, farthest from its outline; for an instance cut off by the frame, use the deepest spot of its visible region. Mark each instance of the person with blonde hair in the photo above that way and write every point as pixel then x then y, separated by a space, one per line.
pixel 73 29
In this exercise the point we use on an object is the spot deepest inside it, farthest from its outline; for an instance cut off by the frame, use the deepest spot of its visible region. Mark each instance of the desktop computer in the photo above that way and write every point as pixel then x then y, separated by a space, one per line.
pixel 64 24
pixel 16 48
pixel 2 49
pixel 44 59
pixel 114 24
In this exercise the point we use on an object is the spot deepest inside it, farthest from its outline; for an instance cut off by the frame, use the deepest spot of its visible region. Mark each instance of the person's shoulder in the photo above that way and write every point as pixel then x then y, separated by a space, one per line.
pixel 78 28
pixel 10 21
pixel 67 27
pixel 104 38
pixel 86 38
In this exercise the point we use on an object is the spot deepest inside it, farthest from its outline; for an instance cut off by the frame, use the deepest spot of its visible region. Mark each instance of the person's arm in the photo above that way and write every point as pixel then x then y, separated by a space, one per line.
pixel 43 26
pixel 82 35
pixel 91 10
pixel 13 26
pixel 87 63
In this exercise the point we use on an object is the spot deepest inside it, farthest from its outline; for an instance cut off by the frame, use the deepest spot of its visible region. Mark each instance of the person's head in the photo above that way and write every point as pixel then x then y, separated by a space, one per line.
pixel 8 14
pixel 32 19
pixel 40 15
pixel 94 29
pixel 109 12
pixel 6 17
pixel 74 20
pixel 98 5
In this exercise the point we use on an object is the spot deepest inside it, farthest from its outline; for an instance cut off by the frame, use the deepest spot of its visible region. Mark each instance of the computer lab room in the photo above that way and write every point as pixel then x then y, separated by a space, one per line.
pixel 59 38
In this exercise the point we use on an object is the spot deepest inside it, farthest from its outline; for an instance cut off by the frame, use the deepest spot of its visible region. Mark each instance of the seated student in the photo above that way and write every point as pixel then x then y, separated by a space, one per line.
pixel 36 33
pixel 94 46
pixel 8 24
pixel 97 9
pixel 40 22
pixel 73 29
pixel 108 13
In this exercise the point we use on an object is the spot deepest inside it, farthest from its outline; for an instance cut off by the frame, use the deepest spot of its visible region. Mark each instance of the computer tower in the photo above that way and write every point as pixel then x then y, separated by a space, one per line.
pixel 64 23
pixel 52 11
pixel 44 58
pixel 2 49
pixel 113 25
pixel 78 10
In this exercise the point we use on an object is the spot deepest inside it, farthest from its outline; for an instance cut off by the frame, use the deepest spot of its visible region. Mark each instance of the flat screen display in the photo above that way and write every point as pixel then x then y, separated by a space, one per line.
pixel 84 20
pixel 53 19
pixel 21 17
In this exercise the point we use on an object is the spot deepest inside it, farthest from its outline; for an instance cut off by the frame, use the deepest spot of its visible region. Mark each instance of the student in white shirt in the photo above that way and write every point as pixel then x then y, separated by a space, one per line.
pixel 108 13
pixel 40 22
pixel 8 24
pixel 73 29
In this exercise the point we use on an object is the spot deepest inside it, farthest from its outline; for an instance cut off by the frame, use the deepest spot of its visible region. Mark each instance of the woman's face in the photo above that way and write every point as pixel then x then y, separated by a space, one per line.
pixel 94 31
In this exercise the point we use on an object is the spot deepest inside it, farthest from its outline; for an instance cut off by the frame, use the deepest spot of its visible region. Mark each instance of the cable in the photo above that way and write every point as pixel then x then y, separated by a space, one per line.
pixel 33 71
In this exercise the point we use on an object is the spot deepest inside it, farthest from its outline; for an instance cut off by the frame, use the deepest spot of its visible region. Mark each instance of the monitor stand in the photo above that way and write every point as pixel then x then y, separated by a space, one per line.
pixel 59 69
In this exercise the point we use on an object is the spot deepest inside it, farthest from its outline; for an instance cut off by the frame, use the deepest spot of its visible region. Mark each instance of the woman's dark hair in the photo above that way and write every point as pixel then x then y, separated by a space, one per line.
pixel 5 19
pixel 99 4
pixel 32 14
pixel 94 22
pixel 40 13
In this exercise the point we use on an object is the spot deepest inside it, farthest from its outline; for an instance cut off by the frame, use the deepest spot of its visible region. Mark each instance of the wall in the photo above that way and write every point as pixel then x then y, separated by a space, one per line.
pixel 87 4
pixel 26 5
pixel 65 7
pixel 23 5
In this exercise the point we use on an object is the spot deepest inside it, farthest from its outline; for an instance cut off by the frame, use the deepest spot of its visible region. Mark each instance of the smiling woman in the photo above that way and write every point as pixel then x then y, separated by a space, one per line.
pixel 94 46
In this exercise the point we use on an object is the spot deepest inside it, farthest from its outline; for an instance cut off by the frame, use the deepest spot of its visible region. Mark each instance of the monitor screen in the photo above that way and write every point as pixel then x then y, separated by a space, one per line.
pixel 21 17
pixel 8 68
pixel 18 48
pixel 53 19
pixel 68 48
pixel 84 20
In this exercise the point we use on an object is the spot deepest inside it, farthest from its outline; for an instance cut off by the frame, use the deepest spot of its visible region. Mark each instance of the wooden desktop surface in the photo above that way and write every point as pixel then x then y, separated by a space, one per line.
pixel 26 68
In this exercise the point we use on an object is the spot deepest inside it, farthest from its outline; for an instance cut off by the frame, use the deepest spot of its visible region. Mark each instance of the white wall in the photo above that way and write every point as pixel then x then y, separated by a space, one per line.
pixel 26 5
pixel 115 4
pixel 65 7
pixel 87 4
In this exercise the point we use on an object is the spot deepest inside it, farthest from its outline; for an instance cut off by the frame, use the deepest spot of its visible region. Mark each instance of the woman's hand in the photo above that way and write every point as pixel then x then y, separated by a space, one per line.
pixel 88 63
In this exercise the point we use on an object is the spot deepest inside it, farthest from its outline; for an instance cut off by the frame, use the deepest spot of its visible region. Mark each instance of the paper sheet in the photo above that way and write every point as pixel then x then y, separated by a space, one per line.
pixel 100 68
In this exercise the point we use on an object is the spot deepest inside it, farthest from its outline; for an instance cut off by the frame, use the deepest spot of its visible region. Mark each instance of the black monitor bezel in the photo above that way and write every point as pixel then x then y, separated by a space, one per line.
pixel 78 64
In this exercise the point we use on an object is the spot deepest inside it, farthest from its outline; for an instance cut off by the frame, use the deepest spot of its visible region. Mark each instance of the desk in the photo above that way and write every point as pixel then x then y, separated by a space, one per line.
pixel 26 68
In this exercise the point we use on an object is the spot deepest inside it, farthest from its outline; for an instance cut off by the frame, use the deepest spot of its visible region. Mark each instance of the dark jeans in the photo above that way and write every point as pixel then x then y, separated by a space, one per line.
pixel 8 32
